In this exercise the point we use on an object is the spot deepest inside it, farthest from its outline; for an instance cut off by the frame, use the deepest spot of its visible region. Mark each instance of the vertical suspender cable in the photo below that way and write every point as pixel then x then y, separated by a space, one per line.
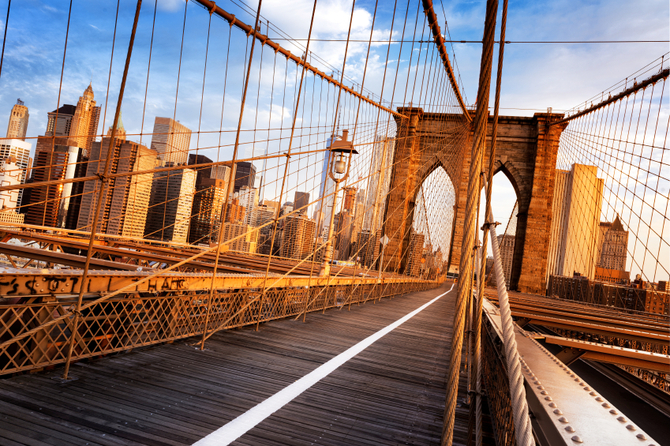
pixel 231 182
pixel 98 205
pixel 477 326
pixel 4 39
pixel 465 268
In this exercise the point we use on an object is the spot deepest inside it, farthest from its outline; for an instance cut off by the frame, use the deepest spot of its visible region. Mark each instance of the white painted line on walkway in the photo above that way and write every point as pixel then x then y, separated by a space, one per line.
pixel 248 420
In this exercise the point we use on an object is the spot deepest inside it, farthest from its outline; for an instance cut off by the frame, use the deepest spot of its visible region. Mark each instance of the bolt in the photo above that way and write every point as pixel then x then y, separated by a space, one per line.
pixel 570 429
pixel 641 437
pixel 605 405
pixel 630 427
pixel 563 420
pixel 547 398
pixel 621 419
pixel 558 412
pixel 552 405
pixel 577 439
pixel 613 412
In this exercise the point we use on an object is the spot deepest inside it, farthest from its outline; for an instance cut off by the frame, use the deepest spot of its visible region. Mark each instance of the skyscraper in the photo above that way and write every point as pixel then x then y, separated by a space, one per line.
pixel 206 212
pixel 506 248
pixel 248 197
pixel 243 237
pixel 573 245
pixel 301 201
pixel 298 237
pixel 612 252
pixel 170 205
pixel 10 175
pixel 43 204
pixel 342 227
pixel 18 121
pixel 221 173
pixel 245 175
pixel 126 199
pixel 367 247
pixel 359 214
pixel 324 207
pixel 60 121
pixel 414 253
pixel 210 195
pixel 20 150
pixel 171 140
pixel 84 127
pixel 349 198
pixel 235 212
pixel 379 182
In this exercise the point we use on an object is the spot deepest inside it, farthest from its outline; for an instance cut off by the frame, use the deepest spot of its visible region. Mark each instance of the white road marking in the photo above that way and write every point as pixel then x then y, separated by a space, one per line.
pixel 248 420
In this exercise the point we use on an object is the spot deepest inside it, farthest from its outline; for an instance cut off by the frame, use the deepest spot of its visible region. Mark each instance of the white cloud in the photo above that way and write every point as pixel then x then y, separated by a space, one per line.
pixel 170 5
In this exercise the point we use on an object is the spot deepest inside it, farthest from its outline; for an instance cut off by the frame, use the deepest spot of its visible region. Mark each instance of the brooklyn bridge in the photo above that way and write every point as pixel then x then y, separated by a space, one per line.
pixel 271 223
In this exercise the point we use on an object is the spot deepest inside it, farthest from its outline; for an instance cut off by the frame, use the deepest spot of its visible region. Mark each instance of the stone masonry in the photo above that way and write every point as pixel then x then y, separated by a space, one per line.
pixel 525 153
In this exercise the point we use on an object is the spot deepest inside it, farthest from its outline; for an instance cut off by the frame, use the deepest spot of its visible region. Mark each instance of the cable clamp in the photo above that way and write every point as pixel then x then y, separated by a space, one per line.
pixel 211 10
pixel 75 312
pixel 488 225
pixel 100 176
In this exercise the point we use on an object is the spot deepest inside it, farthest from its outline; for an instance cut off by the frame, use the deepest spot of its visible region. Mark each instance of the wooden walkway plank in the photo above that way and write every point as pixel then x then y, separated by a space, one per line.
pixel 393 392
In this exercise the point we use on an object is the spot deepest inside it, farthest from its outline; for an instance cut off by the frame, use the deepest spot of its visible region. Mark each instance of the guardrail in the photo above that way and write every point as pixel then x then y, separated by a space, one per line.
pixel 565 409
pixel 37 334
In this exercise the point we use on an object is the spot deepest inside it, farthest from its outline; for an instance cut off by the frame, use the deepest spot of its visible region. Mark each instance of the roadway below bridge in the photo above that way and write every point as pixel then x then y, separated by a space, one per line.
pixel 390 389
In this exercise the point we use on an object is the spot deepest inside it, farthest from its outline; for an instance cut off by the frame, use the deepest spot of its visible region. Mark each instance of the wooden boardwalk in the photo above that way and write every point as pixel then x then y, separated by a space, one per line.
pixel 391 393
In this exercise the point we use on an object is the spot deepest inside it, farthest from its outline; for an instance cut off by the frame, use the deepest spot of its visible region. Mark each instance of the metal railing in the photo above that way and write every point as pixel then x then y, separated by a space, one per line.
pixel 30 340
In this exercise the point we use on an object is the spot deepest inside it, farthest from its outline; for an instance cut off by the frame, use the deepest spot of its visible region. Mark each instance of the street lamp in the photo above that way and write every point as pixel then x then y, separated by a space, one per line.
pixel 339 163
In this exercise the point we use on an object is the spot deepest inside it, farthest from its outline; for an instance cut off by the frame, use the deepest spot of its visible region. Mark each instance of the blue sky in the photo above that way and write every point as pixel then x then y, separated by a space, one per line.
pixel 535 76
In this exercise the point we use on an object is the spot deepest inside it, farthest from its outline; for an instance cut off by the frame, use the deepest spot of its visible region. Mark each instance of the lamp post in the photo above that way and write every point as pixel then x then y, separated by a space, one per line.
pixel 338 171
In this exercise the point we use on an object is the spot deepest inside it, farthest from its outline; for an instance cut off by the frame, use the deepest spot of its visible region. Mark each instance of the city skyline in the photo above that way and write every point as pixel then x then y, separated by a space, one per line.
pixel 214 114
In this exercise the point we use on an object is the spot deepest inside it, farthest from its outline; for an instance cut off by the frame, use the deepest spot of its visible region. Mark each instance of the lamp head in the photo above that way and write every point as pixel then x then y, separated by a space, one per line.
pixel 340 166
pixel 343 145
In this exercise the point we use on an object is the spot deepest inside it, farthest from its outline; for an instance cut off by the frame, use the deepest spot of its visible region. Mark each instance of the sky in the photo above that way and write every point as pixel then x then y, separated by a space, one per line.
pixel 176 83
pixel 536 76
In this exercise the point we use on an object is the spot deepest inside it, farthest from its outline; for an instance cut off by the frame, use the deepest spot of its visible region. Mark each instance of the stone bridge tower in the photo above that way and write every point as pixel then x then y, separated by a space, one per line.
pixel 526 153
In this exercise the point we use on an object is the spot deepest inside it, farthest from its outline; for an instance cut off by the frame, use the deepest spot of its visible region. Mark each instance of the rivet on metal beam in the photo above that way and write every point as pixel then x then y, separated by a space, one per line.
pixel 577 439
